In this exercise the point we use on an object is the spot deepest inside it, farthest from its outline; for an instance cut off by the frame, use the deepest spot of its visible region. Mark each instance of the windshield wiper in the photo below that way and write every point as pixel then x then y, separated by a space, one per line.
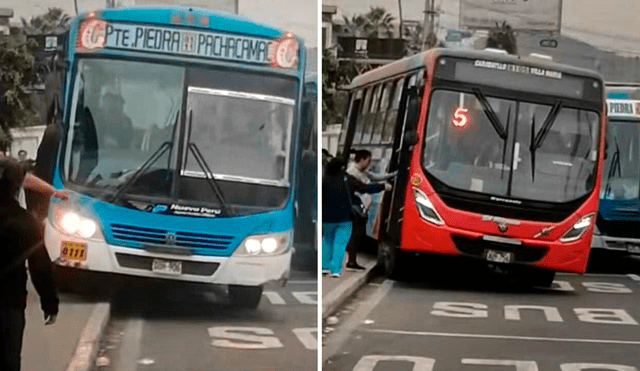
pixel 493 118
pixel 538 139
pixel 168 145
pixel 502 132
pixel 213 182
pixel 615 165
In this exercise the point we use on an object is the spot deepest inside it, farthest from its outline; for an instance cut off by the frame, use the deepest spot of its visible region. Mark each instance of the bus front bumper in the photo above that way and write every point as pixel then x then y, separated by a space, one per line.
pixel 561 257
pixel 619 244
pixel 232 270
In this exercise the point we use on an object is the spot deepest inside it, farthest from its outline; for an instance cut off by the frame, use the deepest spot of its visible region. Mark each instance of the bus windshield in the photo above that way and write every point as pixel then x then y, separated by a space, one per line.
pixel 510 148
pixel 122 113
pixel 621 174
pixel 128 116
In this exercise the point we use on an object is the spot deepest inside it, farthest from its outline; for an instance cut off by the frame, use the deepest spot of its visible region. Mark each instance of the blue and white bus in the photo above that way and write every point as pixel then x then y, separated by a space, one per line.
pixel 179 146
pixel 617 225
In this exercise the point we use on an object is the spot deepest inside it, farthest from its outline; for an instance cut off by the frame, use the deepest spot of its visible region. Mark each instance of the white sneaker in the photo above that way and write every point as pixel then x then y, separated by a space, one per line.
pixel 326 271
pixel 335 275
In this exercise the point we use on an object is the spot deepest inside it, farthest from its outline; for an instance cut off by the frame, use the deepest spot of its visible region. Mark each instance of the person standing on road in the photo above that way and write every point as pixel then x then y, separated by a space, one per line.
pixel 359 169
pixel 21 241
pixel 337 192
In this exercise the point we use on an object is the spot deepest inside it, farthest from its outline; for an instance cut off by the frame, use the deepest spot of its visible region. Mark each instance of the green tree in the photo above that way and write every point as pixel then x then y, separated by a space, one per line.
pixel 502 37
pixel 16 71
pixel 335 74
pixel 375 23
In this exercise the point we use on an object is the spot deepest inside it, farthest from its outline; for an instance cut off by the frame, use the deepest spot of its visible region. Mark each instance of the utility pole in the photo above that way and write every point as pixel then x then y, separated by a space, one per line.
pixel 427 29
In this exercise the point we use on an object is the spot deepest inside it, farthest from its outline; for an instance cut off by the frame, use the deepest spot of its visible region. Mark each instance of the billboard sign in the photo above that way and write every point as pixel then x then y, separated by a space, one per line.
pixel 525 15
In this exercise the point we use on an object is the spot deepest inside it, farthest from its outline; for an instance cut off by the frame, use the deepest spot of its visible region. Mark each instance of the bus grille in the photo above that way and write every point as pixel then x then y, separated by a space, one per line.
pixel 142 235
pixel 522 253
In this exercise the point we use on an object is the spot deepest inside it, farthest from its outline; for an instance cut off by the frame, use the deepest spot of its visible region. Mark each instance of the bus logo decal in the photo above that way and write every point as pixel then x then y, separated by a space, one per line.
pixel 170 239
pixel 415 180
pixel 502 223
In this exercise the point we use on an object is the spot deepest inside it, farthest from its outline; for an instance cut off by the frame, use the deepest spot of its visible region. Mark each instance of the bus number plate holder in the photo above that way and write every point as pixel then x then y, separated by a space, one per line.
pixel 498 256
pixel 73 251
pixel 167 266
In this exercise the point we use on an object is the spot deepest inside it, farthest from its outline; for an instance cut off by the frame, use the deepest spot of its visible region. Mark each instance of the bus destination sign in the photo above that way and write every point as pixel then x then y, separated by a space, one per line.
pixel 623 107
pixel 206 44
pixel 536 71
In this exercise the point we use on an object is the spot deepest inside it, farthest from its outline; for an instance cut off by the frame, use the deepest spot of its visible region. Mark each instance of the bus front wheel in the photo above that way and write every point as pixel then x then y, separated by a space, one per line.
pixel 392 259
pixel 245 296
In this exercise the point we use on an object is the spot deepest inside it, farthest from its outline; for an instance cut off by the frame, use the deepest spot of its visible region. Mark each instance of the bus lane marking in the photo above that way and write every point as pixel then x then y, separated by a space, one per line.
pixel 512 312
pixel 303 297
pixel 595 366
pixel 246 337
pixel 601 287
pixel 307 337
pixel 520 365
pixel 306 297
pixel 368 363
pixel 501 337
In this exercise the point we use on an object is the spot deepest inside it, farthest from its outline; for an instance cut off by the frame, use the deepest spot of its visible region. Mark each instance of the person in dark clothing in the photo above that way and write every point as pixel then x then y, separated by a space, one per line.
pixel 337 194
pixel 20 240
pixel 38 202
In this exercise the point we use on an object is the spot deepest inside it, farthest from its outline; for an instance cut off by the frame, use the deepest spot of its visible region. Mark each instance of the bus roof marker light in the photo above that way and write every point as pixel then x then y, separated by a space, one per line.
pixel 285 52
pixel 92 34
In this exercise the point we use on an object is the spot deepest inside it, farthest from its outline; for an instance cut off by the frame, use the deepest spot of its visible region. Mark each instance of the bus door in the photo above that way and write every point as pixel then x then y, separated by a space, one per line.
pixel 403 142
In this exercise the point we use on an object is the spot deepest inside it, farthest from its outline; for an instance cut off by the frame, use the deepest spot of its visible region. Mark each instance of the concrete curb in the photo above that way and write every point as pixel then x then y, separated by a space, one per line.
pixel 342 292
pixel 87 349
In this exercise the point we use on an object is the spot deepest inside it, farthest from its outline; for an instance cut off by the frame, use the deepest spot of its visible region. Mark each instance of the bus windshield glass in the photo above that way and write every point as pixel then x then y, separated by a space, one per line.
pixel 621 173
pixel 241 136
pixel 510 148
pixel 131 118
pixel 122 114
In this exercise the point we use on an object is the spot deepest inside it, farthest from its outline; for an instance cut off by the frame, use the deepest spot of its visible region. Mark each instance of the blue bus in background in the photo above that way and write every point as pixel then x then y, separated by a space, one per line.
pixel 180 145
pixel 618 222
pixel 305 244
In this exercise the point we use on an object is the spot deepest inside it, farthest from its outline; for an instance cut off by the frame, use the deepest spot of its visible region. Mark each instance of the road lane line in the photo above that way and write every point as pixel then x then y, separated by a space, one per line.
pixel 130 346
pixel 634 277
pixel 502 337
pixel 340 337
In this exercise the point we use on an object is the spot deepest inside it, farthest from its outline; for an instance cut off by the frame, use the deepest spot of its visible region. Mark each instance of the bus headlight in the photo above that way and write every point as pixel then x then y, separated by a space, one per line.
pixel 575 232
pixel 265 244
pixel 425 208
pixel 72 223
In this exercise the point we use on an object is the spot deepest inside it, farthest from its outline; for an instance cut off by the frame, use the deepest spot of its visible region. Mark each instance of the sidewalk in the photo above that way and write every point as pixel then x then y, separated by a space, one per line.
pixel 336 290
pixel 69 344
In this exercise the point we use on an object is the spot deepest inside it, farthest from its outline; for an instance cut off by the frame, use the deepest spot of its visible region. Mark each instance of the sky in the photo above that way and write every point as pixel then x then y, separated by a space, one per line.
pixel 299 16
pixel 610 25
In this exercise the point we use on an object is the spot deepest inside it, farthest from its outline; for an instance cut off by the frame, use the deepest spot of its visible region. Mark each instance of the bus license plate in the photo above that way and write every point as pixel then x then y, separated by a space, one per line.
pixel 634 249
pixel 167 267
pixel 498 256
pixel 75 251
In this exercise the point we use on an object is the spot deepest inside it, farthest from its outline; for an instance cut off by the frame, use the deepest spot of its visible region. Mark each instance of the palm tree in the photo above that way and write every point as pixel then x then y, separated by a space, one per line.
pixel 502 37
pixel 54 21
pixel 377 22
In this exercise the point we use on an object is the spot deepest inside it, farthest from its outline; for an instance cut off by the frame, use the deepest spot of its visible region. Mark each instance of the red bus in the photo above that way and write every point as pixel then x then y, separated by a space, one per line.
pixel 498 157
